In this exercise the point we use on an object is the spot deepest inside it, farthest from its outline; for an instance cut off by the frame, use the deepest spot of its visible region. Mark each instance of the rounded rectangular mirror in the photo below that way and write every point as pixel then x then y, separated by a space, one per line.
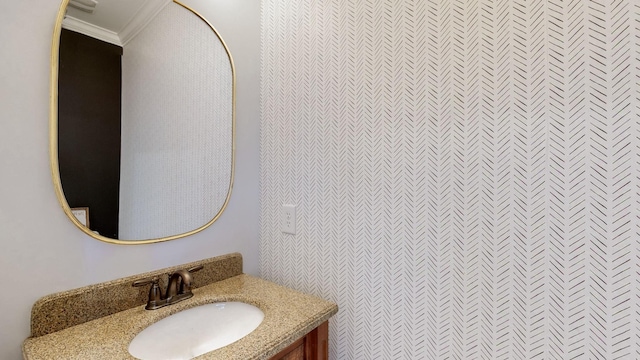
pixel 142 119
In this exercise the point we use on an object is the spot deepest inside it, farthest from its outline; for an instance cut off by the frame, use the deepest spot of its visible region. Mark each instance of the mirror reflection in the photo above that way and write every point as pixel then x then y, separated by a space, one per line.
pixel 144 119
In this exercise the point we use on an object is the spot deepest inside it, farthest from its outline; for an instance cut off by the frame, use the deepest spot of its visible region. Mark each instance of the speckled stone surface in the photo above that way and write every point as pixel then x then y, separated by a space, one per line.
pixel 289 315
pixel 59 311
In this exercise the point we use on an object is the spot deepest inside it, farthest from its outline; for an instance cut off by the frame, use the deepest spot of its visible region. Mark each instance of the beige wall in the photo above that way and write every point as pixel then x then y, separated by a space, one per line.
pixel 40 249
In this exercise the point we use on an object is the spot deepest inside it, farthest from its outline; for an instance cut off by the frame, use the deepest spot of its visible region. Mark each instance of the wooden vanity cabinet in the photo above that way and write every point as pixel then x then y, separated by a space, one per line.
pixel 313 346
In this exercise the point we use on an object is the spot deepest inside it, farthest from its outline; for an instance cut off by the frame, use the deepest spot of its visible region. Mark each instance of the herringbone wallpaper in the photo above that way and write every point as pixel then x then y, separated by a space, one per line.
pixel 467 173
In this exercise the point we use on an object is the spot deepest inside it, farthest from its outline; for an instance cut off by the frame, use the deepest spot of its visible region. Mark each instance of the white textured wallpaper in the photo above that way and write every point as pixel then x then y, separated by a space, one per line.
pixel 467 174
pixel 176 127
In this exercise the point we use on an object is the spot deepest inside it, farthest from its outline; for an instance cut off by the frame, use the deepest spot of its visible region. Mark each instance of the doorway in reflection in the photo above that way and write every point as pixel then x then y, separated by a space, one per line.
pixel 89 127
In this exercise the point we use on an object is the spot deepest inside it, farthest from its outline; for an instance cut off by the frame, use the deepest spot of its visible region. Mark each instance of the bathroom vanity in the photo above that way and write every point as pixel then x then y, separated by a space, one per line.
pixel 100 321
pixel 165 172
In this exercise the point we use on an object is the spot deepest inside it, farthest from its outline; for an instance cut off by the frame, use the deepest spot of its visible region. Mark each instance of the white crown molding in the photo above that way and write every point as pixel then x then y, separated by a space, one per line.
pixel 147 12
pixel 83 27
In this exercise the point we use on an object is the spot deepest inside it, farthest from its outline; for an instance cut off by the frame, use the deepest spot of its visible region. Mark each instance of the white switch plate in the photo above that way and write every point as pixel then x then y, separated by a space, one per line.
pixel 288 219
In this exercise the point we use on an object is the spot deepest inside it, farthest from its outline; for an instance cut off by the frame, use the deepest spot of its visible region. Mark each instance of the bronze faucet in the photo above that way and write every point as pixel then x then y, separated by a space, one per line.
pixel 178 288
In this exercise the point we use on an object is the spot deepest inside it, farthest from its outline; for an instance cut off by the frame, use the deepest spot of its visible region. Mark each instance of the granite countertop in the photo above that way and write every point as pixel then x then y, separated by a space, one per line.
pixel 289 315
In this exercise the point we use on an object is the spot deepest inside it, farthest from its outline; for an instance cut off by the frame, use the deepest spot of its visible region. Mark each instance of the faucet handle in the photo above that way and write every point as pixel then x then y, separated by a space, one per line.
pixel 196 268
pixel 155 294
pixel 144 282
pixel 186 287
pixel 180 282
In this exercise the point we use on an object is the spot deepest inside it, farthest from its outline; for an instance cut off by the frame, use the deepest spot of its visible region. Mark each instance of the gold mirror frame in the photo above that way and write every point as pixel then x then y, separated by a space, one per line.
pixel 53 135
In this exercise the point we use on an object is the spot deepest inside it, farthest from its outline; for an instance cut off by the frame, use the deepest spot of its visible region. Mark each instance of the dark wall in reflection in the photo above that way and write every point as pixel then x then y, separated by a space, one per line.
pixel 89 116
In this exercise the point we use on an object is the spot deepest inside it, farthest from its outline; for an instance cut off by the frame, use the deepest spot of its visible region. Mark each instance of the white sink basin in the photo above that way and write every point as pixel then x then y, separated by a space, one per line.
pixel 196 331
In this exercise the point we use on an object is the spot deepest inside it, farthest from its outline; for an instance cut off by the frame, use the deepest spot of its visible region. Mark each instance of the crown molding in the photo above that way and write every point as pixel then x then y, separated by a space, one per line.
pixel 141 19
pixel 83 27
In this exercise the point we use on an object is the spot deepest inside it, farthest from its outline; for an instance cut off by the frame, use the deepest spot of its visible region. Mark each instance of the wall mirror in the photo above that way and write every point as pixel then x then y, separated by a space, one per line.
pixel 142 119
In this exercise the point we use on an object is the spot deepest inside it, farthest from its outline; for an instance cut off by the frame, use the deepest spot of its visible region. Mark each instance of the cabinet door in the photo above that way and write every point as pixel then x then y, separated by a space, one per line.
pixel 313 346
pixel 293 352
